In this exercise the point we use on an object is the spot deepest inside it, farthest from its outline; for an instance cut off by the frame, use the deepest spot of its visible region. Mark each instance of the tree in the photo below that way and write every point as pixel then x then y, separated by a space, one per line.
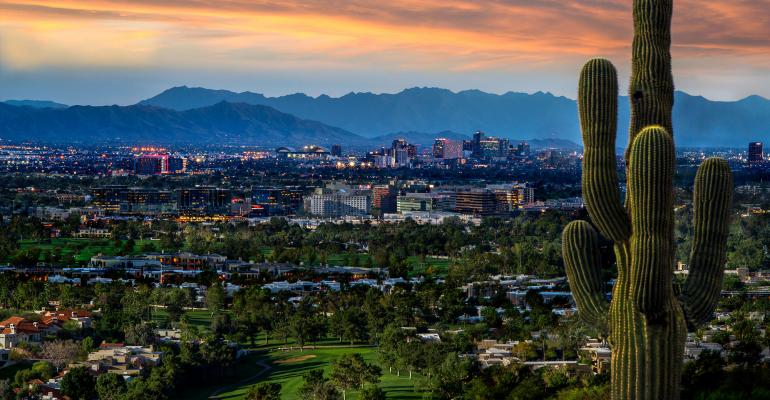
pixel 388 349
pixel 110 386
pixel 265 391
pixel 79 384
pixel 175 300
pixel 317 387
pixel 449 377
pixel 141 334
pixel 6 391
pixel 136 304
pixel 299 329
pixel 221 324
pixel 343 374
pixel 372 392
pixel 87 344
pixel 352 325
pixel 218 354
pixel 301 326
pixel 702 375
pixel 490 317
pixel 60 352
pixel 215 297
pixel 44 370
pixel 253 311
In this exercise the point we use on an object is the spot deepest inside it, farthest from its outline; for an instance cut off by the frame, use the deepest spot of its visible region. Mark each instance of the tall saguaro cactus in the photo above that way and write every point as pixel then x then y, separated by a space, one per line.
pixel 648 321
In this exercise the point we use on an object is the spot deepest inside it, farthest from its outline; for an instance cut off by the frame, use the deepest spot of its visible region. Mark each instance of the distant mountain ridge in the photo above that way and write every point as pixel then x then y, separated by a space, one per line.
pixel 697 120
pixel 221 123
pixel 35 103
pixel 200 116
pixel 412 110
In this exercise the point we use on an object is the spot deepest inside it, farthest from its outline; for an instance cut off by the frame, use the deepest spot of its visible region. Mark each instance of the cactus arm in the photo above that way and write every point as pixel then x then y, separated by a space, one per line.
pixel 598 108
pixel 651 201
pixel 651 92
pixel 712 200
pixel 580 247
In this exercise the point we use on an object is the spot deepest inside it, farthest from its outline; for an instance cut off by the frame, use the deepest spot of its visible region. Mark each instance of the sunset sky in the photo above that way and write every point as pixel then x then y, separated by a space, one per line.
pixel 113 51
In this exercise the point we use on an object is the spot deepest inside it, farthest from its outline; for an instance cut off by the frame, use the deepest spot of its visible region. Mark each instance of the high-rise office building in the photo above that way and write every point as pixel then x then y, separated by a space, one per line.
pixel 203 200
pixel 511 196
pixel 492 147
pixel 336 150
pixel 176 164
pixel 384 198
pixel 755 153
pixel 425 202
pixel 338 204
pixel 121 199
pixel 277 200
pixel 151 164
pixel 446 149
pixel 522 149
pixel 402 152
pixel 478 136
pixel 476 202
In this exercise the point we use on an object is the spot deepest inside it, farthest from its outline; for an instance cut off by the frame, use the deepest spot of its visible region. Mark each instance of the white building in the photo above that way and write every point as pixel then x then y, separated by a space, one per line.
pixel 339 204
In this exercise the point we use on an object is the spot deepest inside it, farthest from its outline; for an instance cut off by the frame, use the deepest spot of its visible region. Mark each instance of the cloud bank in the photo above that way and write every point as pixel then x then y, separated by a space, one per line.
pixel 721 49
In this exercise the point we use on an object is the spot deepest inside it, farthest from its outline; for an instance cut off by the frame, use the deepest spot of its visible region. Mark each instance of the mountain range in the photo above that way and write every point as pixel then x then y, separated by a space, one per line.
pixel 221 123
pixel 199 115
pixel 697 121
pixel 35 103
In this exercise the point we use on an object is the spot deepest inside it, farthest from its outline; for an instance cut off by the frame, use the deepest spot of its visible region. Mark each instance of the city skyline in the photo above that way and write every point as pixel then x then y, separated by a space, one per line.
pixel 106 51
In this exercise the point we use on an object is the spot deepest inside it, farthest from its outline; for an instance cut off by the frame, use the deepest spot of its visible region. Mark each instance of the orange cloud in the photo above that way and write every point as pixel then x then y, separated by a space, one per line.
pixel 447 35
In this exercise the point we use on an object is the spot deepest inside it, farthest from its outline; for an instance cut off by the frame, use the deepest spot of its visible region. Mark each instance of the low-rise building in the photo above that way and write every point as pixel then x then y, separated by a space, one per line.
pixel 123 360
pixel 15 330
pixel 82 318
pixel 92 233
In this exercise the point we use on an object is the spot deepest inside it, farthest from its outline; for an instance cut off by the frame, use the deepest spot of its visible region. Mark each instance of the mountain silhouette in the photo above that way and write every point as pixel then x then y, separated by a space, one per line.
pixel 221 123
pixel 697 120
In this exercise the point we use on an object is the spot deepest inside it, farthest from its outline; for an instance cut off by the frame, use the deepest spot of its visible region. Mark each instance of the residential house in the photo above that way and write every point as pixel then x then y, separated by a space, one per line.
pixel 15 330
pixel 123 360
pixel 81 317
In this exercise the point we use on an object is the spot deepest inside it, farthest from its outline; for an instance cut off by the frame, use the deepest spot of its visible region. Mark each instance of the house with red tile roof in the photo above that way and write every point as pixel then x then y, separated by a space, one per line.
pixel 59 317
pixel 15 330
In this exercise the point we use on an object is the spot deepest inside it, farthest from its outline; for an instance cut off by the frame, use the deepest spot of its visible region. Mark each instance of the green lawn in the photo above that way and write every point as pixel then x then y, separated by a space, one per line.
pixel 340 258
pixel 431 266
pixel 83 249
pixel 198 318
pixel 287 369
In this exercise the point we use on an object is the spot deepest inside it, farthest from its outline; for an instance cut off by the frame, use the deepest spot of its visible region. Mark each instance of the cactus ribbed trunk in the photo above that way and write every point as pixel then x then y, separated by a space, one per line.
pixel 646 358
pixel 651 91
pixel 648 323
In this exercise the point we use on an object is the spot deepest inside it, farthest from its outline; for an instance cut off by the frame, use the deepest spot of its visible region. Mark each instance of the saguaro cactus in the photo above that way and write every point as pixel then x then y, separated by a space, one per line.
pixel 648 322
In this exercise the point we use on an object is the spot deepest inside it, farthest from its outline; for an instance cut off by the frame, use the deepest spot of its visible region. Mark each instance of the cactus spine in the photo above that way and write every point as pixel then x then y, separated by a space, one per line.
pixel 647 321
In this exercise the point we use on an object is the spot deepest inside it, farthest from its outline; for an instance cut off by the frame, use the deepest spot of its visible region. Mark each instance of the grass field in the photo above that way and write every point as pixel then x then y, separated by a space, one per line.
pixel 198 318
pixel 429 266
pixel 288 367
pixel 83 249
